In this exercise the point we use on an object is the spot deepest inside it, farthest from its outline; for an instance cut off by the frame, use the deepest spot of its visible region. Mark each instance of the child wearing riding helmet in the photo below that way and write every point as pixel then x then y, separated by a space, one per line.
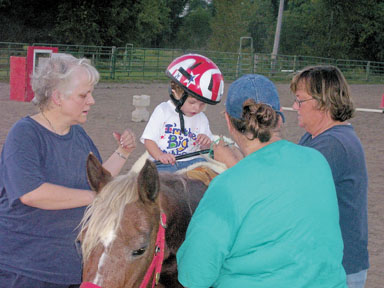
pixel 179 125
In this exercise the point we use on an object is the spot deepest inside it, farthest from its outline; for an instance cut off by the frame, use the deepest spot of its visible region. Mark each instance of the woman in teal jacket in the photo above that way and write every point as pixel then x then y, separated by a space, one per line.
pixel 272 219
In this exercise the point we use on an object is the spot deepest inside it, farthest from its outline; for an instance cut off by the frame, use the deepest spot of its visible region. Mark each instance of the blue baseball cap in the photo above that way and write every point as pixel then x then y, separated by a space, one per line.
pixel 256 87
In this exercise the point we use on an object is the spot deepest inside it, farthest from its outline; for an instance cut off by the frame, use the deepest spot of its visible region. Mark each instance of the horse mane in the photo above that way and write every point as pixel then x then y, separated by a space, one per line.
pixel 103 215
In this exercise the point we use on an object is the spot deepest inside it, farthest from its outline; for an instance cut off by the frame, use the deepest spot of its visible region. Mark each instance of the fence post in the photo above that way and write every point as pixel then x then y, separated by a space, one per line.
pixel 273 65
pixel 252 62
pixel 255 62
pixel 238 70
pixel 128 58
pixel 157 63
pixel 368 70
pixel 113 63
pixel 143 66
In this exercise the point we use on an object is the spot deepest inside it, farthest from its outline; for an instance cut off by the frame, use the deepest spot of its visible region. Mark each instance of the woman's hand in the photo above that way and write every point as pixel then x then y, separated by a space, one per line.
pixel 229 155
pixel 126 141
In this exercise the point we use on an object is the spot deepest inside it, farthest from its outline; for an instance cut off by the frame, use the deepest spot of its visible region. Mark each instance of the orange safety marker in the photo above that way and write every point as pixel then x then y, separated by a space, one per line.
pixel 382 101
pixel 21 70
pixel 17 78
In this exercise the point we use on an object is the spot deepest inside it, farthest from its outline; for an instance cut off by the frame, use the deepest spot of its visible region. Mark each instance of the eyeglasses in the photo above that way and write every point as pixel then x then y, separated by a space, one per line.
pixel 298 101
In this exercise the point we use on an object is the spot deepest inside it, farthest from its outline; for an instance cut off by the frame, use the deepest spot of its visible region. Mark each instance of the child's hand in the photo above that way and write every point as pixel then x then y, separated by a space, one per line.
pixel 204 141
pixel 166 158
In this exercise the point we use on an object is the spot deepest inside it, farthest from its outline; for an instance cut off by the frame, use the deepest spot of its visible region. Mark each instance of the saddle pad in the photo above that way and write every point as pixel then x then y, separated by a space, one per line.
pixel 202 173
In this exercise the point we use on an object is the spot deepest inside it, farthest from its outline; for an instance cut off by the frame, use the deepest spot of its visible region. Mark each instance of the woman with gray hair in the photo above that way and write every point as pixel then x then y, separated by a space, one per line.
pixel 43 183
pixel 324 105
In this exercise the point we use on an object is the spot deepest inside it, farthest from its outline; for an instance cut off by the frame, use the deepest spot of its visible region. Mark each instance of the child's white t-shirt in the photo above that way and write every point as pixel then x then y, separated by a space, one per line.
pixel 163 128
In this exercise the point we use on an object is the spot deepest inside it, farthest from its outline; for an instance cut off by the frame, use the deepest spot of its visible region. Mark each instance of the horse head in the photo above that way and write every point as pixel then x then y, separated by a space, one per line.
pixel 119 232
pixel 123 227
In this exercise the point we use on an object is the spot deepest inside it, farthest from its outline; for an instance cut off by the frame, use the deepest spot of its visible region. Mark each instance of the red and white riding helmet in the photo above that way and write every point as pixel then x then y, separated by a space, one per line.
pixel 198 76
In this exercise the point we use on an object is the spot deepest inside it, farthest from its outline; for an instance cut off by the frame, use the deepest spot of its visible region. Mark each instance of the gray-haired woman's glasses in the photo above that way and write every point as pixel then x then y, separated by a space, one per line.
pixel 298 101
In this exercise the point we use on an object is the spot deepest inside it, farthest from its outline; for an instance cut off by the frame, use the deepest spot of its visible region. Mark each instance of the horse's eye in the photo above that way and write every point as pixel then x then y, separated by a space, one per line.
pixel 138 252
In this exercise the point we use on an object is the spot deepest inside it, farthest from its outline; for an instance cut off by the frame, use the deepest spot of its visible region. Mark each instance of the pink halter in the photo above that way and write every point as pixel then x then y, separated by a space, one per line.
pixel 157 261
pixel 89 285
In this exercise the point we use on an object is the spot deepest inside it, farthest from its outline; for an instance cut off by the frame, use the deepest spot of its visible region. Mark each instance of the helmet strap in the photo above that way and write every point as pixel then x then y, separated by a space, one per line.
pixel 179 104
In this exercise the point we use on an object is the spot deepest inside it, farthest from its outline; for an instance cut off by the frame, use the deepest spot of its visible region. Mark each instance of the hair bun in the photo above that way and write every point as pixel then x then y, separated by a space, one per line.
pixel 259 120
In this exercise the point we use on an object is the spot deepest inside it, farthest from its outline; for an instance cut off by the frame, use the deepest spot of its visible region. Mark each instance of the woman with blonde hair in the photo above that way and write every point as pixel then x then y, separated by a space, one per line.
pixel 324 105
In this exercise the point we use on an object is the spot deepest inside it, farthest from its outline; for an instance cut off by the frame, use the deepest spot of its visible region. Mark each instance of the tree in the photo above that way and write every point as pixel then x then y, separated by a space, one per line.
pixel 326 28
pixel 176 9
pixel 278 29
pixel 231 21
pixel 26 21
pixel 262 26
pixel 334 28
pixel 303 31
pixel 77 22
pixel 195 30
pixel 111 23
pixel 152 21
pixel 362 24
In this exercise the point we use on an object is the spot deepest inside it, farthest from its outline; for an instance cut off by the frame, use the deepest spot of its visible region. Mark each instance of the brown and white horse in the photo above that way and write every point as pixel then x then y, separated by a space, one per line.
pixel 125 242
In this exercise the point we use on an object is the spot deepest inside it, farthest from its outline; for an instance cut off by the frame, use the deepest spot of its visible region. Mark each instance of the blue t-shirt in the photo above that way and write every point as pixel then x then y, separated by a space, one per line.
pixel 269 221
pixel 344 153
pixel 37 243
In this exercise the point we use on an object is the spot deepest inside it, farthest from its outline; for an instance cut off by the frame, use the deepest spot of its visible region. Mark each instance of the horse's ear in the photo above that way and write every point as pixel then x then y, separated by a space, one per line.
pixel 148 182
pixel 97 175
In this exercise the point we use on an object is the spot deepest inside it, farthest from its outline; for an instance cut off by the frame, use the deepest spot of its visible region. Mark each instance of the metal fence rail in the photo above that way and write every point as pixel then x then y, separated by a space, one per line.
pixel 130 63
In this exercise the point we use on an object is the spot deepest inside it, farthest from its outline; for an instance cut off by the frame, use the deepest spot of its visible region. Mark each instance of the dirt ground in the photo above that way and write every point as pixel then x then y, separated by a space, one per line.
pixel 113 112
